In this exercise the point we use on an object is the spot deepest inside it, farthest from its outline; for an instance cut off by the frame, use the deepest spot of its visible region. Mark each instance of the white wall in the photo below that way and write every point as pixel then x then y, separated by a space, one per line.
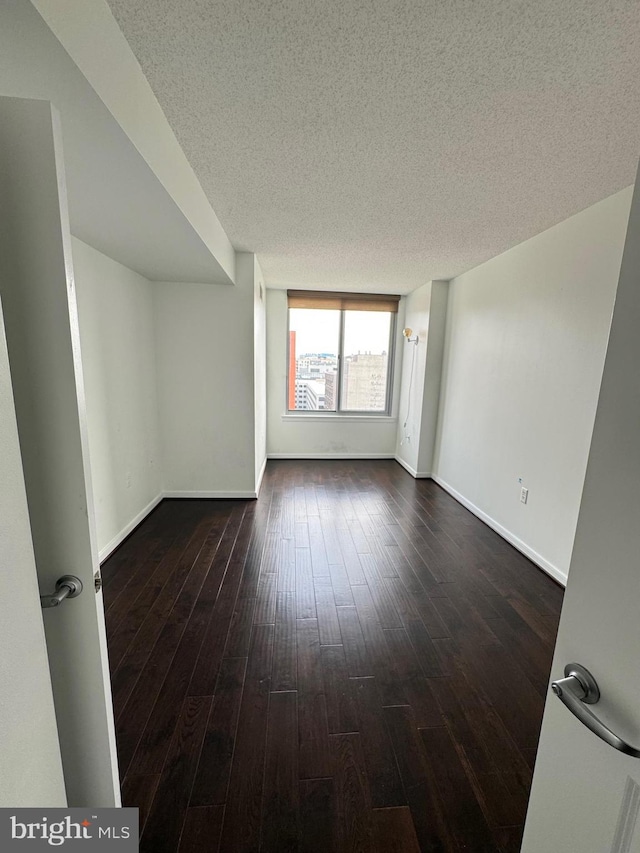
pixel 260 370
pixel 524 352
pixel 331 436
pixel 206 375
pixel 433 374
pixel 425 314
pixel 116 316
pixel 175 379
pixel 412 383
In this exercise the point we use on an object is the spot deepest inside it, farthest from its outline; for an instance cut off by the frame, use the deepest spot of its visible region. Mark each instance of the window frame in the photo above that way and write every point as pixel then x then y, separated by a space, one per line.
pixel 339 412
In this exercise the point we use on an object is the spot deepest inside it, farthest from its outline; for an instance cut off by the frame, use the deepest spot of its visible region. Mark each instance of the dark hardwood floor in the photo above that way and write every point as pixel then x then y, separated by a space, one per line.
pixel 352 662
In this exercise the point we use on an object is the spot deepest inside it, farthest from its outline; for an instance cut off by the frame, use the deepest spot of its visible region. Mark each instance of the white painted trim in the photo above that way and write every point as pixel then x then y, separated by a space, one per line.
pixel 419 475
pixel 529 552
pixel 300 417
pixel 117 540
pixel 110 547
pixel 230 495
pixel 261 474
pixel 510 537
pixel 330 456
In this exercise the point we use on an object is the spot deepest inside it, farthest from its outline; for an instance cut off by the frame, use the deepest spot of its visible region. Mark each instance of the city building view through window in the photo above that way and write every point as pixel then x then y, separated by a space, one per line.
pixel 338 360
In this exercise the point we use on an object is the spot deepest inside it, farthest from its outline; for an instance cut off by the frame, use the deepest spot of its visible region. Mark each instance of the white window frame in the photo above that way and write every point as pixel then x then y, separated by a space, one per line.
pixel 338 412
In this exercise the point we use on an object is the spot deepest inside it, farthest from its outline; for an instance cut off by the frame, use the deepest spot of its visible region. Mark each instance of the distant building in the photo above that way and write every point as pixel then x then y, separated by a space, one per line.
pixel 309 395
pixel 331 391
pixel 364 380
pixel 307 372
pixel 365 383
pixel 291 385
pixel 315 395
pixel 314 365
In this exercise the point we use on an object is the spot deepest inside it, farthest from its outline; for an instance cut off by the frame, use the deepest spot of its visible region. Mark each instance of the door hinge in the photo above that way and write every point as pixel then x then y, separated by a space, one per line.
pixel 97 581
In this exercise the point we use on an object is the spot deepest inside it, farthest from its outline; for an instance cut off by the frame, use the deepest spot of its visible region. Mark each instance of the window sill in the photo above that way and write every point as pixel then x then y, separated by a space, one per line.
pixel 334 416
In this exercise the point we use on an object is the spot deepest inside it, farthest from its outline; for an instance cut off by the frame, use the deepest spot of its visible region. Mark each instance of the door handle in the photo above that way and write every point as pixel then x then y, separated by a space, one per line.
pixel 68 586
pixel 577 690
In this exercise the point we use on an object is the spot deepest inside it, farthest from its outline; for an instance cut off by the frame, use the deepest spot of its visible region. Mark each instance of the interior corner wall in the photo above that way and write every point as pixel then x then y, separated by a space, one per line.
pixel 524 353
pixel 433 375
pixel 321 436
pixel 260 371
pixel 116 318
pixel 206 397
pixel 425 314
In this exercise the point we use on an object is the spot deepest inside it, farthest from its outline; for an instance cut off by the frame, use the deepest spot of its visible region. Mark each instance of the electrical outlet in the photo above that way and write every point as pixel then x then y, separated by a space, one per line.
pixel 524 495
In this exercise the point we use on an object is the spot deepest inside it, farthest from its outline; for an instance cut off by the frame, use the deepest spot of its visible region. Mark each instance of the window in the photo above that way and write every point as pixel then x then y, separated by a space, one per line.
pixel 340 351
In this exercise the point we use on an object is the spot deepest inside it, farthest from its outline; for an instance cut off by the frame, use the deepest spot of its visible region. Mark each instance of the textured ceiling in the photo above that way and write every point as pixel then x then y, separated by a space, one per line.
pixel 377 144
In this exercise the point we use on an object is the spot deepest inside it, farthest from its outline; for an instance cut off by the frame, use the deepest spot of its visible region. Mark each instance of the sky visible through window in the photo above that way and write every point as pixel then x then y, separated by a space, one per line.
pixel 317 331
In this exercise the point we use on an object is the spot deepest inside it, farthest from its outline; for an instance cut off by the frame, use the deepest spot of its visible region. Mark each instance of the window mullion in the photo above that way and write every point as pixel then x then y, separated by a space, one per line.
pixel 340 363
pixel 391 353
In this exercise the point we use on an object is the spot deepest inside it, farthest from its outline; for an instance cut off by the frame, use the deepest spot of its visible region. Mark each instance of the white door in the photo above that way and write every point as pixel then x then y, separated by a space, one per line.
pixel 29 752
pixel 586 794
pixel 38 296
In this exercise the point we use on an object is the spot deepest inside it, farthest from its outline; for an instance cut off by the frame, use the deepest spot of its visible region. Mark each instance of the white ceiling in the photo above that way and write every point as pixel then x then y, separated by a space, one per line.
pixel 377 145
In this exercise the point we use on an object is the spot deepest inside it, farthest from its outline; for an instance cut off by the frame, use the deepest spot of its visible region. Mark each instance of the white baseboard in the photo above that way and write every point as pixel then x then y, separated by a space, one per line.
pixel 510 537
pixel 529 552
pixel 219 495
pixel 261 475
pixel 331 456
pixel 419 475
pixel 110 547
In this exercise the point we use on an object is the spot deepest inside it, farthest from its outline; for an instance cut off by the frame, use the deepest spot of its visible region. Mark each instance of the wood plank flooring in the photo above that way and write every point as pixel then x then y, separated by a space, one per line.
pixel 351 662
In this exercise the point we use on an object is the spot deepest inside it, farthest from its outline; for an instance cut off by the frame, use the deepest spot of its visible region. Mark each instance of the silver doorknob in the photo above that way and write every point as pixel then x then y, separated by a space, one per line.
pixel 68 586
pixel 577 690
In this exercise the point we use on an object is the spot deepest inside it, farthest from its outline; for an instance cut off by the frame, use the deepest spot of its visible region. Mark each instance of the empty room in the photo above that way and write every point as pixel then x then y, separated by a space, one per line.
pixel 319 424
